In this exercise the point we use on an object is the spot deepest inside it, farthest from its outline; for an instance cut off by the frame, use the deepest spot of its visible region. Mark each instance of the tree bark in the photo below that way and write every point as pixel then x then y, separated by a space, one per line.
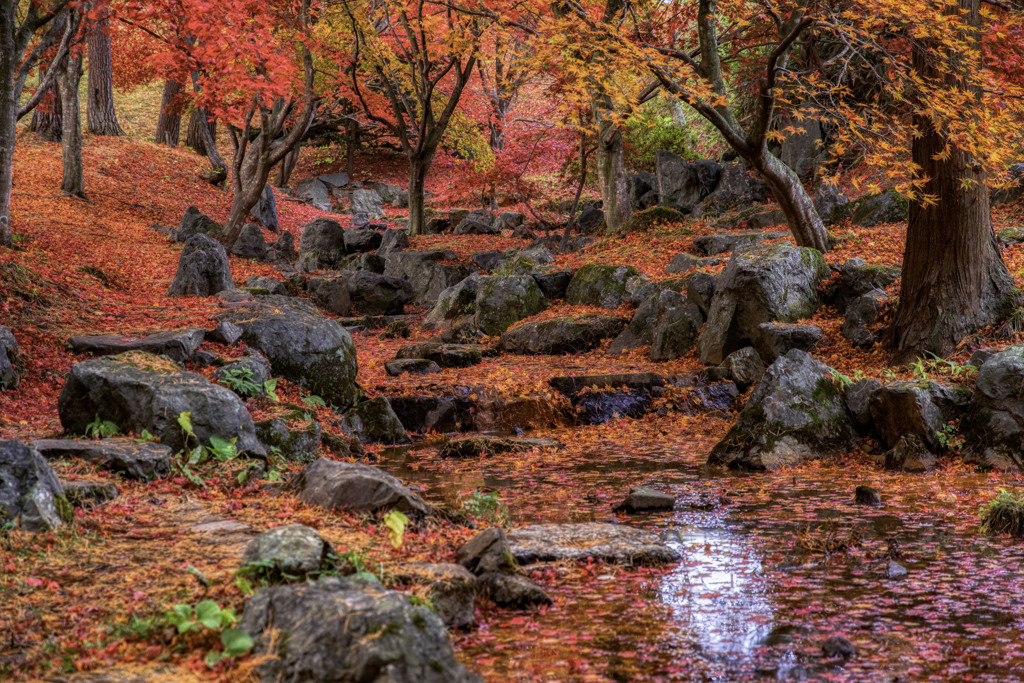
pixel 954 281
pixel 47 121
pixel 101 117
pixel 417 179
pixel 68 80
pixel 8 134
pixel 352 147
pixel 284 172
pixel 611 175
pixel 795 203
pixel 194 136
pixel 168 124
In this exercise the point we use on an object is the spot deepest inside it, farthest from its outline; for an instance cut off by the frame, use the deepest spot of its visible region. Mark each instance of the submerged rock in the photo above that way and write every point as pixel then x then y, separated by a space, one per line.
pixel 577 542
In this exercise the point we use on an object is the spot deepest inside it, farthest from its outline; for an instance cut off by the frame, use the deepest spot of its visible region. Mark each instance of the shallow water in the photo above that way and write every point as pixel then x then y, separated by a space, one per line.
pixel 754 597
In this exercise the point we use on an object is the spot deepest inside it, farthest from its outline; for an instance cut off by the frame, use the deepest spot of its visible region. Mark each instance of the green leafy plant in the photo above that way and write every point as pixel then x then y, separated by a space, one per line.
pixel 396 522
pixel 242 382
pixel 486 506
pixel 841 381
pixel 948 438
pixel 209 615
pixel 191 457
pixel 101 429
pixel 1004 514
pixel 145 437
pixel 314 401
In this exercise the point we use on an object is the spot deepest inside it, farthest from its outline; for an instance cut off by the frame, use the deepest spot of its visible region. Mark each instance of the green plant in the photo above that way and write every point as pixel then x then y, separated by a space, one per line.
pixel 948 437
pixel 841 381
pixel 191 457
pixel 101 429
pixel 486 506
pixel 240 381
pixel 1004 514
pixel 650 129
pixel 209 615
pixel 314 401
pixel 145 437
pixel 396 522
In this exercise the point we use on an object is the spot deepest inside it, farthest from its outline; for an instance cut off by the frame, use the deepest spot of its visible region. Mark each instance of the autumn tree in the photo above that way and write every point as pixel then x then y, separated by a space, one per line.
pixel 101 117
pixel 168 123
pixel 23 41
pixel 408 64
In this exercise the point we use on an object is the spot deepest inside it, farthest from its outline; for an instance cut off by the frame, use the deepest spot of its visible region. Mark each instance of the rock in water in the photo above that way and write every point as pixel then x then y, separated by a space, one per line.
pixel 30 493
pixel 578 542
pixel 203 269
pixel 359 488
pixel 865 495
pixel 795 414
pixel 138 391
pixel 348 631
pixel 645 499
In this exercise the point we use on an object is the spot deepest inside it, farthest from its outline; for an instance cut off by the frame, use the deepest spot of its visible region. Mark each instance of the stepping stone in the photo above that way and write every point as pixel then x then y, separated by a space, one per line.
pixel 613 543
pixel 142 461
pixel 644 499
pixel 178 345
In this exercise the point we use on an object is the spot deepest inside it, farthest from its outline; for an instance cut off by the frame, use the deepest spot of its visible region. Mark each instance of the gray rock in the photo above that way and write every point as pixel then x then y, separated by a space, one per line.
pixel 489 261
pixel 335 180
pixel 203 269
pixel 675 331
pixel 141 461
pixel 865 495
pixel 744 367
pixel 450 588
pixel 456 305
pixel 31 496
pixel 389 194
pixel 374 421
pixel 640 330
pixel 682 184
pixel 426 275
pixel 910 455
pixel 590 221
pixel 412 366
pixel 766 219
pixel 700 290
pixel 502 301
pixel 271 284
pixel 293 444
pixel 445 355
pixel 571 386
pixel 294 550
pixel 470 225
pixel 600 284
pixel 322 245
pixel 776 283
pixel 253 368
pixel 178 345
pixel 331 293
pixel 612 543
pixel 487 552
pixel 884 207
pixel 509 220
pixel 857 277
pixel 193 223
pixel 894 570
pixel 368 292
pixel 361 240
pixel 226 333
pixel 553 284
pixel 283 250
pixel 736 189
pixel 725 242
pixel 795 414
pixel 513 591
pixel 920 408
pixel 831 205
pixel 348 631
pixel 644 499
pixel 862 312
pixel 368 202
pixel 89 493
pixel 10 375
pixel 993 426
pixel 315 193
pixel 303 347
pixel 265 210
pixel 858 402
pixel 556 336
pixel 778 339
pixel 838 647
pixel 598 407
pixel 393 240
pixel 138 391
pixel 684 262
pixel 358 488
pixel 250 243
pixel 422 414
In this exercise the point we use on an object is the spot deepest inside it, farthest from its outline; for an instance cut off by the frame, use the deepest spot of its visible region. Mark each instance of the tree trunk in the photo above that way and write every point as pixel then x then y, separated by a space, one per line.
pixel 954 281
pixel 284 172
pixel 194 136
pixel 8 135
pixel 168 125
pixel 101 118
pixel 352 147
pixel 612 177
pixel 46 117
pixel 418 168
pixel 67 83
pixel 796 204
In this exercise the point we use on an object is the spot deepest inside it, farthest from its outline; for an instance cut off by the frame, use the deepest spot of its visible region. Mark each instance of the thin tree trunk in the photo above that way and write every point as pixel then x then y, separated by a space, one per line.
pixel 46 117
pixel 352 147
pixel 954 281
pixel 101 117
pixel 68 80
pixel 194 136
pixel 795 203
pixel 417 179
pixel 168 124
pixel 612 177
pixel 284 172
pixel 8 135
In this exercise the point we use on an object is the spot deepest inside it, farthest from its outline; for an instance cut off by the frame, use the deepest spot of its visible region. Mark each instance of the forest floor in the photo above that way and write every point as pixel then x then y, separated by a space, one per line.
pixel 774 562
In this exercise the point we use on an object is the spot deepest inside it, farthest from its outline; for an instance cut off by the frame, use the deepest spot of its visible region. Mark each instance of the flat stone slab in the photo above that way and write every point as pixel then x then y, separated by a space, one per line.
pixel 143 461
pixel 605 542
pixel 178 345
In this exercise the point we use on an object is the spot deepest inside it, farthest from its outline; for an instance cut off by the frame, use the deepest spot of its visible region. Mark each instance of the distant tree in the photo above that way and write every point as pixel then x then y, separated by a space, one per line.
pixel 168 123
pixel 101 117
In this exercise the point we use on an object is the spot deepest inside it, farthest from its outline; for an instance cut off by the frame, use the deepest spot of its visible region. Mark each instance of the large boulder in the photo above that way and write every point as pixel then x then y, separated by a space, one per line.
pixel 456 305
pixel 322 245
pixel 203 269
pixel 778 339
pixel 250 243
pixel 139 391
pixel 367 202
pixel 682 184
pixel 358 488
pixel 993 426
pixel 348 631
pixel 736 189
pixel 884 207
pixel 366 291
pixel 141 461
pixel 795 414
pixel 374 421
pixel 600 284
pixel 294 444
pixel 316 193
pixel 643 190
pixel 501 301
pixel 265 210
pixel 30 493
pixel 10 376
pixel 393 240
pixel 921 408
pixel 193 223
pixel 856 278
pixel 860 314
pixel 450 588
pixel 577 334
pixel 304 347
pixel 178 345
pixel 424 271
pixel 614 543
pixel 777 283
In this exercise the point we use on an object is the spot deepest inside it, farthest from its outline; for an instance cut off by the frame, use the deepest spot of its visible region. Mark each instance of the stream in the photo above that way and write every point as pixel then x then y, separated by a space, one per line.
pixel 773 564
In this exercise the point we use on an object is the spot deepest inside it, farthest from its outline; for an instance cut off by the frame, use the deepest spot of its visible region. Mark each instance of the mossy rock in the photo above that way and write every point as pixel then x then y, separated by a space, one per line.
pixel 648 218
pixel 600 284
